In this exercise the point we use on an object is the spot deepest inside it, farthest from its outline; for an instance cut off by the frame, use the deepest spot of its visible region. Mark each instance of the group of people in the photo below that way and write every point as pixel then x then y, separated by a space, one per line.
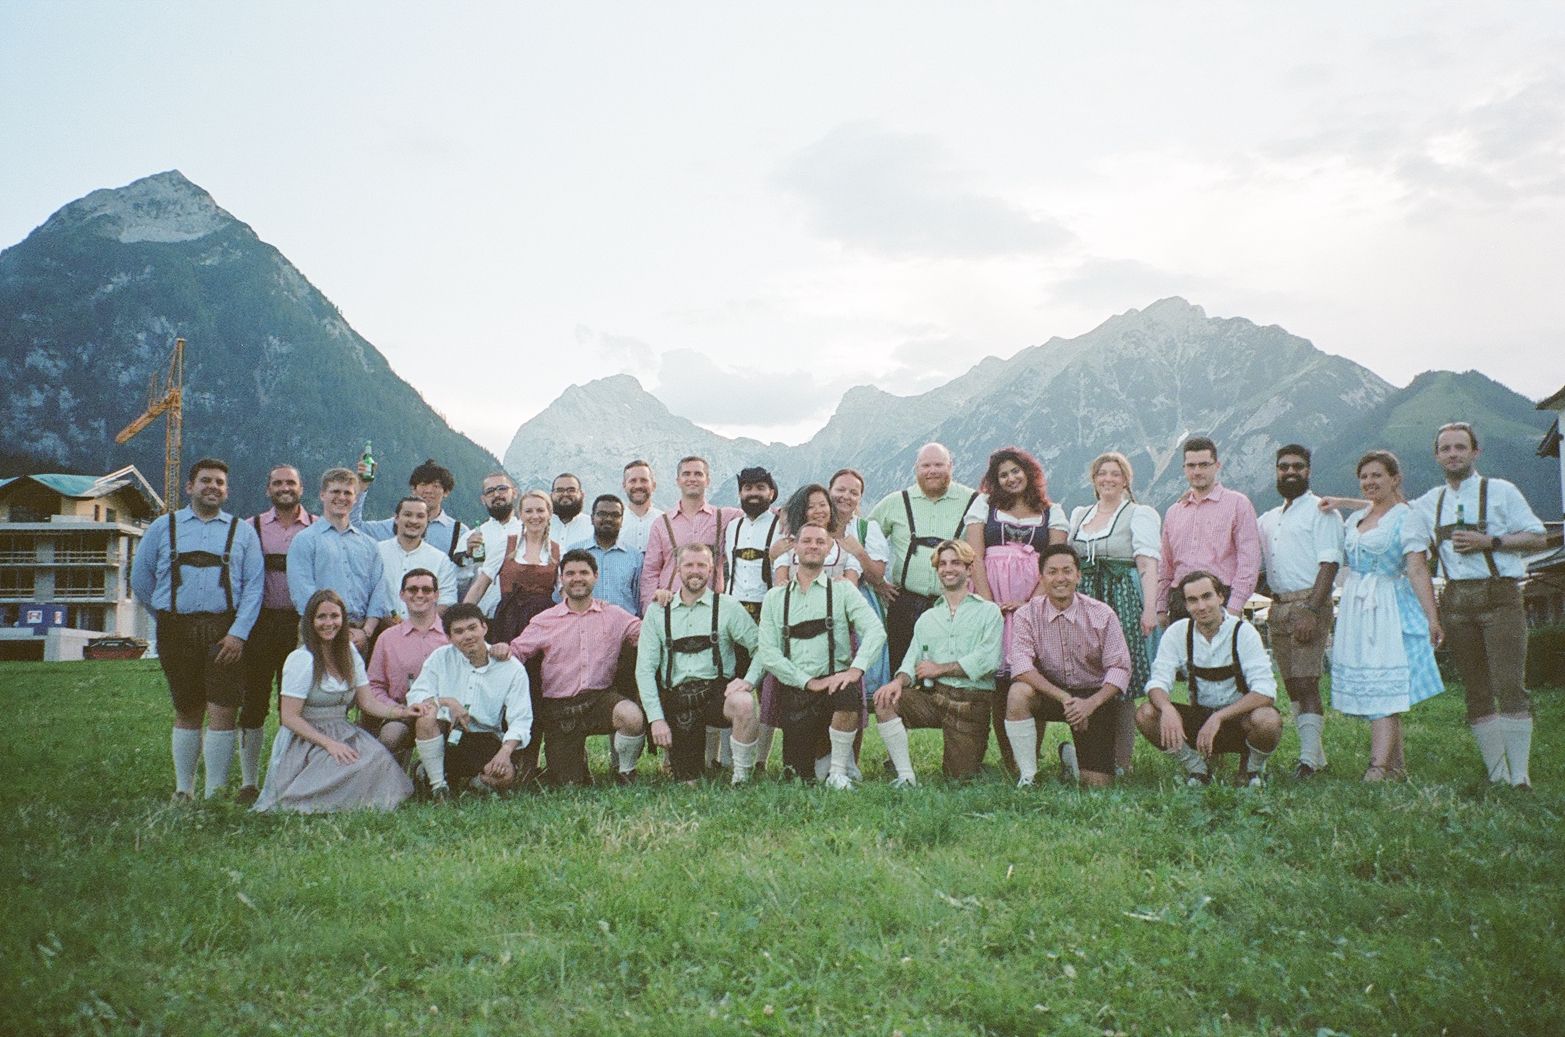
pixel 708 629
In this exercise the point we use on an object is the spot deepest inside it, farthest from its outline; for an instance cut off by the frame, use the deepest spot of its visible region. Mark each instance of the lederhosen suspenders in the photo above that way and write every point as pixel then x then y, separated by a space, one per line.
pixel 673 544
pixel 808 628
pixel 451 552
pixel 914 541
pixel 199 560
pixel 1443 533
pixel 276 562
pixel 689 645
pixel 766 553
pixel 1214 673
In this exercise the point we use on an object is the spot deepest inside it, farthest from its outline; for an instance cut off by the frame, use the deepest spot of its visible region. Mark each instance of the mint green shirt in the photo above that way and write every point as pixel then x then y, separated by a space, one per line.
pixel 734 627
pixel 944 519
pixel 970 637
pixel 851 615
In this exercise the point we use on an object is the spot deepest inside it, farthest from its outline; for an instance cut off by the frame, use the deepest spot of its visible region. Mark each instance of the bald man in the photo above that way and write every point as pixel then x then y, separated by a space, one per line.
pixel 915 521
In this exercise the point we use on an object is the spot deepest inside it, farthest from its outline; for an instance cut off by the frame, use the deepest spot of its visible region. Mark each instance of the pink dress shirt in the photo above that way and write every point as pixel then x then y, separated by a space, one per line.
pixel 580 649
pixel 398 657
pixel 1217 534
pixel 657 566
pixel 1081 647
pixel 275 538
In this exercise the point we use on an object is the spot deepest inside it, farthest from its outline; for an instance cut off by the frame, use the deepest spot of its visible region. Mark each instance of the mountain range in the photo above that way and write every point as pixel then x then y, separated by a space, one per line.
pixel 91 301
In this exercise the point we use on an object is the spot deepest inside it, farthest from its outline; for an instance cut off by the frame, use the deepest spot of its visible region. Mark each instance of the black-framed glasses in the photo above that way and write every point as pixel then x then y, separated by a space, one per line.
pixel 419 588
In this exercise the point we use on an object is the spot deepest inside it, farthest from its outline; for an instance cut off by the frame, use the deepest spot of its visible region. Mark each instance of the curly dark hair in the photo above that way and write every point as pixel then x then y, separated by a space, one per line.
pixel 1036 495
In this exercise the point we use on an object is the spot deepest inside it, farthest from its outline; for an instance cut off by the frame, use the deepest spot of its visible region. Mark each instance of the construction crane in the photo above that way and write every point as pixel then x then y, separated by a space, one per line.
pixel 165 396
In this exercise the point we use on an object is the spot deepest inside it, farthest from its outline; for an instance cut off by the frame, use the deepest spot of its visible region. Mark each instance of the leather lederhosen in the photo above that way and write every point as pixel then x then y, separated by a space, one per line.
pixel 1233 671
pixel 200 560
pixel 684 702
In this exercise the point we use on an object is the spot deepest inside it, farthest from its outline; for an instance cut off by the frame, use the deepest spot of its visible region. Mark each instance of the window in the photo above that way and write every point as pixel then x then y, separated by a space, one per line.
pixel 16 583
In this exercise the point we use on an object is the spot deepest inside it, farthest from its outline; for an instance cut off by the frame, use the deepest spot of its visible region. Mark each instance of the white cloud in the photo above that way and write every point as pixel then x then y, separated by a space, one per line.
pixel 902 195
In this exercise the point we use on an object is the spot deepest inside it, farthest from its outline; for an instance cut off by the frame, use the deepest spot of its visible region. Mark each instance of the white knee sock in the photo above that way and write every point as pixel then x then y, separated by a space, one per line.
pixel 1517 733
pixel 432 754
pixel 725 743
pixel 763 744
pixel 219 754
pixel 713 741
pixel 1192 761
pixel 1489 733
pixel 822 767
pixel 893 733
pixel 1311 750
pixel 250 756
pixel 744 760
pixel 628 749
pixel 1257 758
pixel 841 751
pixel 1024 746
pixel 187 751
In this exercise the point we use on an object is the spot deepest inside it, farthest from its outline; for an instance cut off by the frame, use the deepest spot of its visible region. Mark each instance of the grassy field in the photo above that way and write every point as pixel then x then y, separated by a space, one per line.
pixel 1433 906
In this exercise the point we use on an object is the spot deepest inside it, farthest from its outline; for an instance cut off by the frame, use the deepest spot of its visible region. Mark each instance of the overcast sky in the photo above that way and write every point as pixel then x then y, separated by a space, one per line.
pixel 752 207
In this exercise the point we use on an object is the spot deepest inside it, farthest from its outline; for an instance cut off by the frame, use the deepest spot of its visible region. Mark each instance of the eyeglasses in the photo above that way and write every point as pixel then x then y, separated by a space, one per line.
pixel 494 491
pixel 419 589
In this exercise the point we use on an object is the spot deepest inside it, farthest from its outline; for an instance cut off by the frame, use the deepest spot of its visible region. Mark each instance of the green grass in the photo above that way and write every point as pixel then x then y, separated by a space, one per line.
pixel 1426 907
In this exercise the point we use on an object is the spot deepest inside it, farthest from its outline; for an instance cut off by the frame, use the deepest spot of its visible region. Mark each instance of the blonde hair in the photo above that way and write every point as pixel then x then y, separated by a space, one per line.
pixel 1124 466
pixel 963 550
pixel 548 502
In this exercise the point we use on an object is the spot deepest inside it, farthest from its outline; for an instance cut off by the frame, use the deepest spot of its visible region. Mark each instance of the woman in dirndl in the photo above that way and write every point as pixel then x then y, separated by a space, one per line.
pixel 1009 523
pixel 321 761
pixel 1383 646
pixel 1118 541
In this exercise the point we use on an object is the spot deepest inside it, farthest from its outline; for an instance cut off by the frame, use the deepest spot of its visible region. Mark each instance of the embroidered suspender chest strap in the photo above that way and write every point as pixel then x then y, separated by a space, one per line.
pixel 1443 533
pixel 693 643
pixel 809 628
pixel 200 560
pixel 1214 673
pixel 914 541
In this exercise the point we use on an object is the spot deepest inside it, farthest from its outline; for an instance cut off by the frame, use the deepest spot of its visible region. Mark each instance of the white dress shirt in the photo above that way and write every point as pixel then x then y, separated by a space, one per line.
pixel 1296 538
pixel 1216 653
pixel 500 684
pixel 1508 512
pixel 396 563
pixel 633 532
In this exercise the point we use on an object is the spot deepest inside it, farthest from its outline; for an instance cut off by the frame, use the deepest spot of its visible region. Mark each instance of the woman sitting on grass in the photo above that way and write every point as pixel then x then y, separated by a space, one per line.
pixel 321 762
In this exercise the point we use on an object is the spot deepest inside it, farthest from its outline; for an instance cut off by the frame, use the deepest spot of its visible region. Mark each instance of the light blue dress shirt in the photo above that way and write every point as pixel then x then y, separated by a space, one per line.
pixel 346 561
pixel 619 575
pixel 201 589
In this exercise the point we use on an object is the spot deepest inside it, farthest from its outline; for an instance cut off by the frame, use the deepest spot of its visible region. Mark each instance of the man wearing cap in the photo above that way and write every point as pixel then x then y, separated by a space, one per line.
pixel 916 520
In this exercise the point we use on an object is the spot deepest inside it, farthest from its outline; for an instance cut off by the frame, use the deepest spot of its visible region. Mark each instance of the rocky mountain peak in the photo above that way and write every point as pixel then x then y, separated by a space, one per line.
pixel 164 207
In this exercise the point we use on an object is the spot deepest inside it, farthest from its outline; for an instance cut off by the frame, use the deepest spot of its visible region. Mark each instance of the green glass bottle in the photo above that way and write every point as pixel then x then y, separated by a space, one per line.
pixel 368 461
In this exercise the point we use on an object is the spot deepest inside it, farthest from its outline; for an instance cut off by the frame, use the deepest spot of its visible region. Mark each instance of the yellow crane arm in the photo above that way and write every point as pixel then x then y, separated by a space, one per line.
pixel 152 413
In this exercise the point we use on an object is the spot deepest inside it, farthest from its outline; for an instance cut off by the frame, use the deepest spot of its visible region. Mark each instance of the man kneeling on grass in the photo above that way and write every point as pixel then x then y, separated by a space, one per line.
pixel 1232 692
pixel 947 675
pixel 488 705
pixel 686 649
pixel 1070 663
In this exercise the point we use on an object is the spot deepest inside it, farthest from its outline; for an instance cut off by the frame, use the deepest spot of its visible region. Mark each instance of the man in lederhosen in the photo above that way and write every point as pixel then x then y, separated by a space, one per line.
pixel 687 652
pixel 1233 694
pixel 806 642
pixel 580 641
pixel 747 547
pixel 276 630
pixel 199 570
pixel 946 680
pixel 1482 528
pixel 915 521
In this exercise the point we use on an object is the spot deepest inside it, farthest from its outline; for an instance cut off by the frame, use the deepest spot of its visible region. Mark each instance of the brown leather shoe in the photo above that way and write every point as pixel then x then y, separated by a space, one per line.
pixel 246 795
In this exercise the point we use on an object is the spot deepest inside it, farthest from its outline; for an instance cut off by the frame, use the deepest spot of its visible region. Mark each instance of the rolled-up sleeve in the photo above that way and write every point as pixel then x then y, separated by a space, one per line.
pixel 984 658
pixel 519 708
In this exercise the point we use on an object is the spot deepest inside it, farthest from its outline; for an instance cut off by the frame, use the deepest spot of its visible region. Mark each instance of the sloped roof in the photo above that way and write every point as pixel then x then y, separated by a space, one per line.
pixel 1553 401
pixel 91 487
pixel 1550 447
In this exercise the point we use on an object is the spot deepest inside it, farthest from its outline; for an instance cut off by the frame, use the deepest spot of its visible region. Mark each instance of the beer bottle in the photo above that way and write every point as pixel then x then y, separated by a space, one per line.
pixel 368 461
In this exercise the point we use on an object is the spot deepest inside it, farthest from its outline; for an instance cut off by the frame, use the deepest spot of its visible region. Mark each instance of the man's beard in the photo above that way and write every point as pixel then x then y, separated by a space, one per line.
pixel 567 510
pixel 501 512
pixel 285 501
pixel 1292 487
pixel 754 507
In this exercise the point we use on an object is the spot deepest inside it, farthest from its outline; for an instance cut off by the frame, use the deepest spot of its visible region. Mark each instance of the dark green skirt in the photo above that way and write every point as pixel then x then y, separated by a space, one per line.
pixel 1118 585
